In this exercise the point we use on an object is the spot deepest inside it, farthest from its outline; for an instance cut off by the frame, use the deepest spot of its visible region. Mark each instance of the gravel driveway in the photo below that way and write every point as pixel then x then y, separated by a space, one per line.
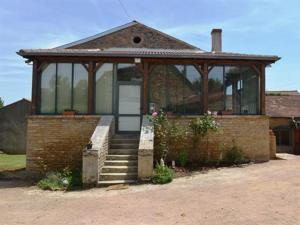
pixel 267 193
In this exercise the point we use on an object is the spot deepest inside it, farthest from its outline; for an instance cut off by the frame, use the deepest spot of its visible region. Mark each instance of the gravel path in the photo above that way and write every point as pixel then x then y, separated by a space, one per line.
pixel 267 193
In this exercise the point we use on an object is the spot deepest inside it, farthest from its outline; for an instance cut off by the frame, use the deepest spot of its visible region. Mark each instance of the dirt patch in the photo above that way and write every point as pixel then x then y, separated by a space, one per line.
pixel 266 193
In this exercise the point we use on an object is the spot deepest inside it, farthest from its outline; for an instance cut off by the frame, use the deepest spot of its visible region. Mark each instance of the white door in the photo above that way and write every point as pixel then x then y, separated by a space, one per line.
pixel 129 108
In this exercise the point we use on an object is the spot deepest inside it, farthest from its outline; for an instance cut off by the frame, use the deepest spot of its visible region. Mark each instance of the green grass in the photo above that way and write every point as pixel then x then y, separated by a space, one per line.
pixel 12 162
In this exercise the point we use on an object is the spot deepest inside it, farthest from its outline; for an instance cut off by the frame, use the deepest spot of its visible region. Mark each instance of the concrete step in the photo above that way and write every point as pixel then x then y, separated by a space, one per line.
pixel 120 163
pixel 125 141
pixel 124 145
pixel 121 151
pixel 126 136
pixel 118 176
pixel 113 182
pixel 119 169
pixel 121 157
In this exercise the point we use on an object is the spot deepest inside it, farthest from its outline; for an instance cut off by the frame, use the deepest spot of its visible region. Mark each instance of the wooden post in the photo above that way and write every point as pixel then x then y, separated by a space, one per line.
pixel 262 90
pixel 34 92
pixel 91 88
pixel 145 88
pixel 205 88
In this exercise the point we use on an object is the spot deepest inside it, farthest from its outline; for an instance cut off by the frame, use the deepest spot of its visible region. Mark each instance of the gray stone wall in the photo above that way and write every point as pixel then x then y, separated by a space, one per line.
pixel 124 39
pixel 13 123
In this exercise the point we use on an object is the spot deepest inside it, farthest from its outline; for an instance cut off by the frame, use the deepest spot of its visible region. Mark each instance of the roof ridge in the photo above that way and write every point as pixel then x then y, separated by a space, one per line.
pixel 118 28
pixel 101 34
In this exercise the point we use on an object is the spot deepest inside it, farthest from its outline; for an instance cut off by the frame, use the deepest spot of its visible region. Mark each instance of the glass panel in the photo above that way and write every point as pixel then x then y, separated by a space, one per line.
pixel 157 86
pixel 233 89
pixel 192 91
pixel 216 89
pixel 128 72
pixel 80 89
pixel 250 90
pixel 64 83
pixel 167 88
pixel 48 78
pixel 129 99
pixel 104 89
pixel 129 123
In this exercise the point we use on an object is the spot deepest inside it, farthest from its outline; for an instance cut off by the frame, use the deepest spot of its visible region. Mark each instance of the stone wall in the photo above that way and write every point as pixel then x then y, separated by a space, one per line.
pixel 13 124
pixel 56 142
pixel 250 133
pixel 150 38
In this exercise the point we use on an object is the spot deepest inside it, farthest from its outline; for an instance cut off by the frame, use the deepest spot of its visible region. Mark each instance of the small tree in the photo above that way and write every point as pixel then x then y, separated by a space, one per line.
pixel 1 103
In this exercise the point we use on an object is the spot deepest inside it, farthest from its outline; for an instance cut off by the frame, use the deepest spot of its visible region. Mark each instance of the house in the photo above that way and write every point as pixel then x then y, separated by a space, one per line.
pixel 13 124
pixel 113 79
pixel 283 107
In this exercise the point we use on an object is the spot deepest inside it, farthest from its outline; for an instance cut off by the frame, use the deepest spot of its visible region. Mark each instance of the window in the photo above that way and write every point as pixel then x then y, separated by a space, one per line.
pixel 175 89
pixel 63 87
pixel 233 90
pixel 282 136
pixel 47 90
pixel 104 89
pixel 80 88
pixel 128 72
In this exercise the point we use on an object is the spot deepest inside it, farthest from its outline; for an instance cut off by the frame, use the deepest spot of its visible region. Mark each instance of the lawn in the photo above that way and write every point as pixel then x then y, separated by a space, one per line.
pixel 12 162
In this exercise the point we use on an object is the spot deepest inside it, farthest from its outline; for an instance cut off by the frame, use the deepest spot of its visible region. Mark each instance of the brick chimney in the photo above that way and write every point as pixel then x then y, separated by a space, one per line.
pixel 216 40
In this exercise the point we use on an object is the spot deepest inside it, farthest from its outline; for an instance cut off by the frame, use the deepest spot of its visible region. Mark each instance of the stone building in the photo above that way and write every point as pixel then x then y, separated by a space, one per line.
pixel 111 80
pixel 13 126
pixel 283 107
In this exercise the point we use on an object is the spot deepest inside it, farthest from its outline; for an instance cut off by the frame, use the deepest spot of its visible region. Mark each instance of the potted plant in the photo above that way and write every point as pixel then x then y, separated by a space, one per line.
pixel 69 112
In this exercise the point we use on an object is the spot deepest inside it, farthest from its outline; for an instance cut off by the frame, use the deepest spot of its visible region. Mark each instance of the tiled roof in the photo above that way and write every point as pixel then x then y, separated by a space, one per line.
pixel 283 105
pixel 144 52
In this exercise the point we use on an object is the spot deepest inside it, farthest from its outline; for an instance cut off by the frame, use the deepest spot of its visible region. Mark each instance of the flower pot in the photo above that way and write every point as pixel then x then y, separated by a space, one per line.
pixel 69 113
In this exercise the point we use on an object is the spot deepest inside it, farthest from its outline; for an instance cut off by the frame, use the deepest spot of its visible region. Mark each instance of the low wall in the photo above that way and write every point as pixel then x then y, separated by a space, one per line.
pixel 56 142
pixel 250 133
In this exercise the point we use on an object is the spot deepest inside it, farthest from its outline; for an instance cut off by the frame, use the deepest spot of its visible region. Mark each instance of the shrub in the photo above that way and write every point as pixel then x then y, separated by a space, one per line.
pixel 64 180
pixel 162 174
pixel 182 158
pixel 234 156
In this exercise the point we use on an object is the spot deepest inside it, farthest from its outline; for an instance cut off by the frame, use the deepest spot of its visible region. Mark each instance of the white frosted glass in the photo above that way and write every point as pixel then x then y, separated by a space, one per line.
pixel 129 99
pixel 80 89
pixel 129 123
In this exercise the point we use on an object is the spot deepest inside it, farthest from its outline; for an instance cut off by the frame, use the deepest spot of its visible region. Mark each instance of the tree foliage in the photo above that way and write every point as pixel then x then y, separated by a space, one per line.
pixel 1 103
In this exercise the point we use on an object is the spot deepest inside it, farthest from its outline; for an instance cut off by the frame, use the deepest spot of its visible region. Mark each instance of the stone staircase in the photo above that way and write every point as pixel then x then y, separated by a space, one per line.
pixel 120 166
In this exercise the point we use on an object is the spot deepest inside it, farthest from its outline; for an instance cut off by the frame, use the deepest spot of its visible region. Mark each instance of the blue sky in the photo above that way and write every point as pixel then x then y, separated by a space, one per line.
pixel 252 26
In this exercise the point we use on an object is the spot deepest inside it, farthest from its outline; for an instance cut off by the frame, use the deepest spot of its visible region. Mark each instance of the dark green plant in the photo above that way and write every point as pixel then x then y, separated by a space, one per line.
pixel 200 126
pixel 182 158
pixel 1 102
pixel 234 155
pixel 64 180
pixel 162 174
pixel 166 132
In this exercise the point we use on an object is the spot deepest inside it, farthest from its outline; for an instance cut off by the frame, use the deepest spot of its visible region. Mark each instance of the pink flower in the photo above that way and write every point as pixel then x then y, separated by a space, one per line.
pixel 154 114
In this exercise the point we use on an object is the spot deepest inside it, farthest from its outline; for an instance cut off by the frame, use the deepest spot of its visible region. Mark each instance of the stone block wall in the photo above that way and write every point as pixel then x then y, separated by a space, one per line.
pixel 250 133
pixel 56 142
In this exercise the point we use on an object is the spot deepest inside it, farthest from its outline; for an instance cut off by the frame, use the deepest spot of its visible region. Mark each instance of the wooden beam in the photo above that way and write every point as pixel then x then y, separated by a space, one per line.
pixel 85 66
pixel 256 69
pixel 262 90
pixel 86 59
pixel 145 88
pixel 205 88
pixel 34 93
pixel 91 88
pixel 97 67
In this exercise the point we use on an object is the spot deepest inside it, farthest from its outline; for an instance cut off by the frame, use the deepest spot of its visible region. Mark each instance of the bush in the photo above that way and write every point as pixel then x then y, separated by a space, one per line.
pixel 182 158
pixel 234 156
pixel 57 181
pixel 162 174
